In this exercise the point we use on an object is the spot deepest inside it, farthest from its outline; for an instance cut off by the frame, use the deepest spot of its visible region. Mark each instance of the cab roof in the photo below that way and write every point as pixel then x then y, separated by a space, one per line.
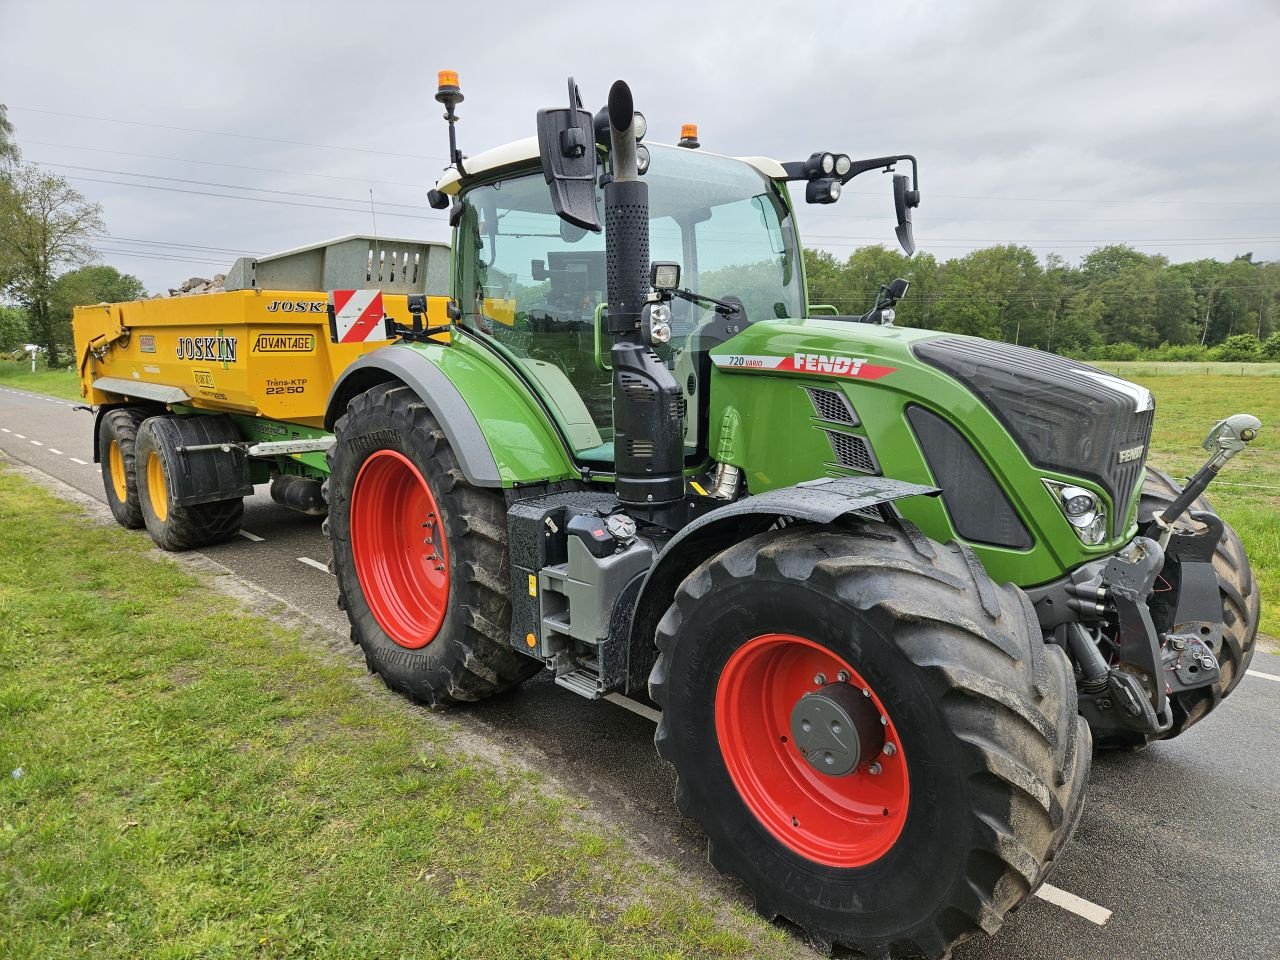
pixel 519 153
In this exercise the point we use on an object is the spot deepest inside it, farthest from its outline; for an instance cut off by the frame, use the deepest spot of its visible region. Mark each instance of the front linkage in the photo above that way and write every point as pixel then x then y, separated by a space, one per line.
pixel 1143 625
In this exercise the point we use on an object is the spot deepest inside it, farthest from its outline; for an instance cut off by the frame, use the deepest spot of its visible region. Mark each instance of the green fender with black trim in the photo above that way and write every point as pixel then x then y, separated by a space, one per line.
pixel 502 433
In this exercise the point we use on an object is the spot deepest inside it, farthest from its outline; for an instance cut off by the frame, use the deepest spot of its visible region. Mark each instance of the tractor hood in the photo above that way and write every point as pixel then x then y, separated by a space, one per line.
pixel 989 423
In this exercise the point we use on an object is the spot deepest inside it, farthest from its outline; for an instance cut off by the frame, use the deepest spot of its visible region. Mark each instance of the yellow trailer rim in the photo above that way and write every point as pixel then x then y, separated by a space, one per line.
pixel 157 490
pixel 119 481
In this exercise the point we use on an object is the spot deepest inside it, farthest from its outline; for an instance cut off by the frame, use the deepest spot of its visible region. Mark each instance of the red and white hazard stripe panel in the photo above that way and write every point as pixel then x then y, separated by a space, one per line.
pixel 357 316
pixel 837 366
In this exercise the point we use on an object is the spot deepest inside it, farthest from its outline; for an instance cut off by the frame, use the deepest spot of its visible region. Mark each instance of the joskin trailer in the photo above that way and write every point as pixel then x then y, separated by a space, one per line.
pixel 889 587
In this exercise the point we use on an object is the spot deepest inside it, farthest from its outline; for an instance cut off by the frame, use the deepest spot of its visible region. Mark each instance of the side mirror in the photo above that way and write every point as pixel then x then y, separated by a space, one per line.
pixel 566 145
pixel 538 268
pixel 898 289
pixel 903 201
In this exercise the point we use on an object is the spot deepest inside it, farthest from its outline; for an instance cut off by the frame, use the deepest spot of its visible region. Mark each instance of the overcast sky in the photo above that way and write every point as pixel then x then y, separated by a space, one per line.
pixel 1060 126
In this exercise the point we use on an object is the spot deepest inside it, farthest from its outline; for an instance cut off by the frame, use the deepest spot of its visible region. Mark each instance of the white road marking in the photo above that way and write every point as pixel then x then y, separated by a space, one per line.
pixel 1263 676
pixel 79 461
pixel 251 536
pixel 6 429
pixel 639 709
pixel 36 442
pixel 1077 905
pixel 313 563
pixel 55 450
pixel 20 436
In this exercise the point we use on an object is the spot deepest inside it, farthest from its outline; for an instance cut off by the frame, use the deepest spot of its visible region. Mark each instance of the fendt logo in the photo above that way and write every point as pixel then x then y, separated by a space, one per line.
pixel 835 366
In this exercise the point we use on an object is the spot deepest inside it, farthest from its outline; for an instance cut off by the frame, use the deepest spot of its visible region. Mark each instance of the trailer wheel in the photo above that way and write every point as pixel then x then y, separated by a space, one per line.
pixel 1241 600
pixel 873 735
pixel 420 555
pixel 176 526
pixel 117 443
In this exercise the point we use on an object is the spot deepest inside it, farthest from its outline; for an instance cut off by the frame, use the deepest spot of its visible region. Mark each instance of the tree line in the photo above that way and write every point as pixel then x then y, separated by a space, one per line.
pixel 47 256
pixel 1117 304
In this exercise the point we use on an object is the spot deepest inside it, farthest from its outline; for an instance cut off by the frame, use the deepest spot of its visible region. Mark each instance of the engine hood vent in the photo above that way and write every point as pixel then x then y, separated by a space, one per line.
pixel 1065 415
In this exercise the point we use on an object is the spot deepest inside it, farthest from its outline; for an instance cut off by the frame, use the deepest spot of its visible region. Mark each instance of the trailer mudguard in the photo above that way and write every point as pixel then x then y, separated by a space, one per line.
pixel 203 471
pixel 822 501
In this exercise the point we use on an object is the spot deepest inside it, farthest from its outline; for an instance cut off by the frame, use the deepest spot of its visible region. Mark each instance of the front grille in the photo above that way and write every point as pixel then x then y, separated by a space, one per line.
pixel 1065 415
pixel 832 406
pixel 852 452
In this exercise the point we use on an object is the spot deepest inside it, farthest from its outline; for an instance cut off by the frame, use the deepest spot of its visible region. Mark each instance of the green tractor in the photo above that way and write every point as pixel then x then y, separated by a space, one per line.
pixel 888 587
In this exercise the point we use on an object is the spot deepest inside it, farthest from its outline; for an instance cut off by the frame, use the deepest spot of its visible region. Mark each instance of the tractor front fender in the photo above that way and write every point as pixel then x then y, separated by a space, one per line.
pixel 820 501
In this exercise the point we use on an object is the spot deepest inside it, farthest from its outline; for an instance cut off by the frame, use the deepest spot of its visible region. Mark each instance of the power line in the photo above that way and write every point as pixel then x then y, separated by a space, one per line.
pixel 222 133
pixel 111 238
pixel 224 186
pixel 233 166
pixel 228 196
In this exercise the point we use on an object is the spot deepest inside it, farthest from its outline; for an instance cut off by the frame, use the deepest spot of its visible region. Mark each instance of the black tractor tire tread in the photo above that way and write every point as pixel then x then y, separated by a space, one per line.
pixel 481 661
pixel 981 647
pixel 191 526
pixel 122 425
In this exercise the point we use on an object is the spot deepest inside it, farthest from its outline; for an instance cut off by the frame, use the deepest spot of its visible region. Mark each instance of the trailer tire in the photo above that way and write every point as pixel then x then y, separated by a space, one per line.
pixel 1241 602
pixel 432 615
pixel 986 782
pixel 117 454
pixel 178 526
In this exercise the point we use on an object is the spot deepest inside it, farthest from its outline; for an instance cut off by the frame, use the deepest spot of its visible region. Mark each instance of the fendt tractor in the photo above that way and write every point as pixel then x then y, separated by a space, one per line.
pixel 888 587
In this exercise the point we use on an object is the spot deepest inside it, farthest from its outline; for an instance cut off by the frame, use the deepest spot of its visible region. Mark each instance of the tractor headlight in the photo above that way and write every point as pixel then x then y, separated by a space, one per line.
pixel 822 191
pixel 843 163
pixel 1083 510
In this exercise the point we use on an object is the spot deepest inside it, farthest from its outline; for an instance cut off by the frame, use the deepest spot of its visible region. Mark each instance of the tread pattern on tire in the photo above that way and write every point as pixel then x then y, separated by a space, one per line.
pixel 472 657
pixel 191 526
pixel 1006 696
pixel 122 426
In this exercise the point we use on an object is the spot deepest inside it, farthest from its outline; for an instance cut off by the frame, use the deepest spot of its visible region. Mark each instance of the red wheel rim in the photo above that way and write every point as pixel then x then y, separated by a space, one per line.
pixel 847 821
pixel 401 557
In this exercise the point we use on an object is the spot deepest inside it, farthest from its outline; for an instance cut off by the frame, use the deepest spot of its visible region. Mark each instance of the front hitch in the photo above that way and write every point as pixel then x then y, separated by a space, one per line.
pixel 1227 438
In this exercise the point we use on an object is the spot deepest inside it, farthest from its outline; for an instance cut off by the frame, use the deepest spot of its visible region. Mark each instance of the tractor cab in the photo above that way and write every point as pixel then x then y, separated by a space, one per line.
pixel 535 286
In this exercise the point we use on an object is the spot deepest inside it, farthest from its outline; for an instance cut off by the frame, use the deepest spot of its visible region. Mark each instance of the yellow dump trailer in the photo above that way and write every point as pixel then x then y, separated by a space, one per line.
pixel 198 398
pixel 264 349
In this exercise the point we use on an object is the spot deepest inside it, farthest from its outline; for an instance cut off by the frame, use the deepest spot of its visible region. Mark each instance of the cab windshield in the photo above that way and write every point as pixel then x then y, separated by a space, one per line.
pixel 536 286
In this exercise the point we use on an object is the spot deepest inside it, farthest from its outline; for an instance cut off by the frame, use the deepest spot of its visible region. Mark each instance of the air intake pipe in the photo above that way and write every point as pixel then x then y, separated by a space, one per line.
pixel 648 409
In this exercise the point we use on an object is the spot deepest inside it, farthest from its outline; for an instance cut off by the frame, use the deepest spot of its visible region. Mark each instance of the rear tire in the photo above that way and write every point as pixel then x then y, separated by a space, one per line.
pixel 117 453
pixel 173 526
pixel 1241 602
pixel 420 555
pixel 994 754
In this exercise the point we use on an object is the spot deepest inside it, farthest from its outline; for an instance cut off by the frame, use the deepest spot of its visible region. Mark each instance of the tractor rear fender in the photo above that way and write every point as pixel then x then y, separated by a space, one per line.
pixel 437 391
pixel 822 501
pixel 496 427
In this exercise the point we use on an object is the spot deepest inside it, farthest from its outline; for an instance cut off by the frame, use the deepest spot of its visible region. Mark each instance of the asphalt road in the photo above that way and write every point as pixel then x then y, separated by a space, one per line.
pixel 1181 843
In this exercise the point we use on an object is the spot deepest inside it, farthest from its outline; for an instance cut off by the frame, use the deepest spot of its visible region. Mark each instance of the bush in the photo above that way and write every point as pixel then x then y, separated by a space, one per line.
pixel 1115 351
pixel 1181 352
pixel 1243 347
pixel 1271 347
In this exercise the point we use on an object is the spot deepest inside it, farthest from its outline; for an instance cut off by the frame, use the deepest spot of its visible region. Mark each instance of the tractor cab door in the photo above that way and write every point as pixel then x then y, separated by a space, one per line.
pixel 535 286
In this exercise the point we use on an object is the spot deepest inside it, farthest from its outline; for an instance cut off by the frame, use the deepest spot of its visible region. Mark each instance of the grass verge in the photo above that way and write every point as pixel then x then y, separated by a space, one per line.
pixel 55 383
pixel 180 779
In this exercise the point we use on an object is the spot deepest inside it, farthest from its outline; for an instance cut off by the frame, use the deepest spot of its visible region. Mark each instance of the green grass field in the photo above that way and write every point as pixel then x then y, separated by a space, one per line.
pixel 55 383
pixel 180 780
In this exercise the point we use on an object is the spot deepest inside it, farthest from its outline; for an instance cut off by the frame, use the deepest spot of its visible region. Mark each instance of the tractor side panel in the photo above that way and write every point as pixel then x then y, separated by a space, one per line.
pixel 792 400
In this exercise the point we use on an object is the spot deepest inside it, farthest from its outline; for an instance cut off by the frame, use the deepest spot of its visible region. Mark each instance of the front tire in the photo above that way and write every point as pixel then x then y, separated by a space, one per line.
pixel 420 555
pixel 986 779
